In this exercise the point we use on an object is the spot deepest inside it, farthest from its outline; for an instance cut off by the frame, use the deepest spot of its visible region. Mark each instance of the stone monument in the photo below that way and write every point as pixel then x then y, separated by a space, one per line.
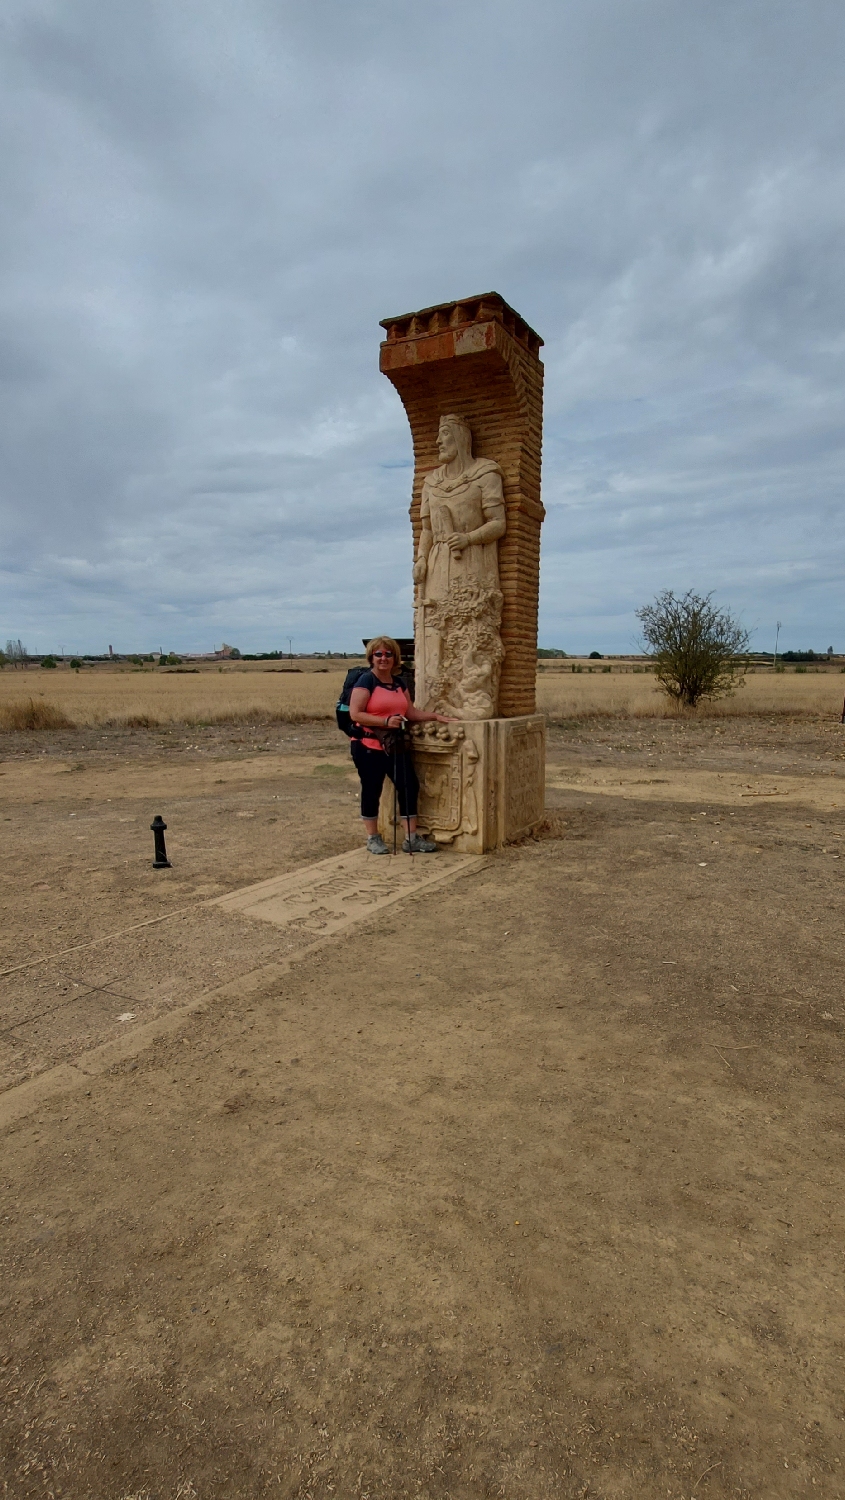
pixel 471 381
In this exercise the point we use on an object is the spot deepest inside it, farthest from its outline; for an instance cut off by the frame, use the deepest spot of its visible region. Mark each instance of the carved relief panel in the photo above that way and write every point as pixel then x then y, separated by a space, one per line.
pixel 524 776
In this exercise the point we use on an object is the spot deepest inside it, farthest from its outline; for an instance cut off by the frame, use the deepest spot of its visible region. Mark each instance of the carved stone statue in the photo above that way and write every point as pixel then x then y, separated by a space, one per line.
pixel 475 620
pixel 458 648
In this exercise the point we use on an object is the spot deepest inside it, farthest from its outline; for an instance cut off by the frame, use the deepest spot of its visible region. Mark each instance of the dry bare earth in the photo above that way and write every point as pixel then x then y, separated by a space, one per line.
pixel 530 1188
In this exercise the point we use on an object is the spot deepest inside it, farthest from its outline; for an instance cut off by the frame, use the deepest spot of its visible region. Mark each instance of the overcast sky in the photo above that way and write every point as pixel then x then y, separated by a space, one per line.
pixel 208 205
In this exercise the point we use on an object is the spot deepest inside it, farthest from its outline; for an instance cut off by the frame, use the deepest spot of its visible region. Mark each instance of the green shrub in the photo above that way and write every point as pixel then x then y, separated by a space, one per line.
pixel 698 651
pixel 48 661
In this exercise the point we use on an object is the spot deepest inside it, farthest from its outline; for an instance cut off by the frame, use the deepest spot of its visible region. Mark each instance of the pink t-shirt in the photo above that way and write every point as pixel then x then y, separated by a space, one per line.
pixel 384 700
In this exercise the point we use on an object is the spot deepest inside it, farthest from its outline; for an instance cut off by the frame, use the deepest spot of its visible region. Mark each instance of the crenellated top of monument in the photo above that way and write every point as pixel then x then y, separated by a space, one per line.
pixel 454 316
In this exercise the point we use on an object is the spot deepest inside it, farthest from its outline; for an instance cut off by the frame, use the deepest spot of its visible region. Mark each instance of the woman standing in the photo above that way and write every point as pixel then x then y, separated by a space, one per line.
pixel 380 702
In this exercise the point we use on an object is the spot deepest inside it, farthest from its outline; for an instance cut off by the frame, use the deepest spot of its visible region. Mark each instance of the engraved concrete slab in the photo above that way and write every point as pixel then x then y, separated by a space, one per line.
pixel 334 894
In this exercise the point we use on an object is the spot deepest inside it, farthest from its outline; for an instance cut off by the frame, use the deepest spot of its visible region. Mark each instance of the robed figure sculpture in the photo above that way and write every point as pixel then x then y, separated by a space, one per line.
pixel 458 607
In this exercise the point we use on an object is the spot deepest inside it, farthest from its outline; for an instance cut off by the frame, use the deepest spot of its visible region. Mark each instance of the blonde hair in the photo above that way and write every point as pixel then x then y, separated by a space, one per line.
pixel 385 640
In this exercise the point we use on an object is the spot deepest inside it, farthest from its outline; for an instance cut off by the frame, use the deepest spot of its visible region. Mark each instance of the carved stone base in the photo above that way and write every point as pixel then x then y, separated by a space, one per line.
pixel 481 784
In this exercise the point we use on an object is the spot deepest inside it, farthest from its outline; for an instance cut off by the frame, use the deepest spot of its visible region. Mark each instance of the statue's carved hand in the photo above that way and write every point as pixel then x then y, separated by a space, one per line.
pixel 419 570
pixel 457 540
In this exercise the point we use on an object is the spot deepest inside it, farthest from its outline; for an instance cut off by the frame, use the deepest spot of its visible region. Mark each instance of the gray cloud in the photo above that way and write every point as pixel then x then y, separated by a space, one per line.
pixel 209 208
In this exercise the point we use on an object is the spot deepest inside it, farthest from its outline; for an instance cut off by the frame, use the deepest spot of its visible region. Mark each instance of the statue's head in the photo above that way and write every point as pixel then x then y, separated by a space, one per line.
pixel 454 440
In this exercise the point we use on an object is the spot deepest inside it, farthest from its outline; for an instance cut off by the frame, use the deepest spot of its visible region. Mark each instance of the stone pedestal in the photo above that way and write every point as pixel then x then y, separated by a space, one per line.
pixel 482 784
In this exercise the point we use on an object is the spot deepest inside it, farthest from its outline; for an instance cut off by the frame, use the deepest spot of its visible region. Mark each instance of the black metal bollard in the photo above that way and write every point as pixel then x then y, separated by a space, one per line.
pixel 158 825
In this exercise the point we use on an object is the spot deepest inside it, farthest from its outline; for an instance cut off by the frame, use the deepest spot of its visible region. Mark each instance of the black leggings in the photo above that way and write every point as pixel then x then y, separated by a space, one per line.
pixel 372 767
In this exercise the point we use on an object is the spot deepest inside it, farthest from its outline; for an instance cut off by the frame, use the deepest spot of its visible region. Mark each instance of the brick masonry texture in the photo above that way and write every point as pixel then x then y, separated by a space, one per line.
pixel 479 359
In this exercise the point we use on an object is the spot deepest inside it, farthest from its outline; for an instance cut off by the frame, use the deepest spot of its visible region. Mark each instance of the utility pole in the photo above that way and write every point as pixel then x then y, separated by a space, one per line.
pixel 290 647
pixel 777 637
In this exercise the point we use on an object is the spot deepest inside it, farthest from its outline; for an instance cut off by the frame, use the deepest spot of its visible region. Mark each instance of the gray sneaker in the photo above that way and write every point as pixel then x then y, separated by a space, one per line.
pixel 376 844
pixel 419 845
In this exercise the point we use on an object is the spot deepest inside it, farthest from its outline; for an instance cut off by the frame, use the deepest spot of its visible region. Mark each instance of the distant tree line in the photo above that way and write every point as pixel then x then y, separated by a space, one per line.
pixel 15 654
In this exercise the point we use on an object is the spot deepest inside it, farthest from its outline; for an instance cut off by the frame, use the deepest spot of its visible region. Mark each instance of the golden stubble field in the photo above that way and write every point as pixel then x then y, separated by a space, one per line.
pixel 145 698
pixel 255 693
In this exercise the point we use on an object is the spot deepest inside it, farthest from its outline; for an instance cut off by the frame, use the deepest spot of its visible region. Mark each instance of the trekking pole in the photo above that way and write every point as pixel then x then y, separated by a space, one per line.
pixel 407 813
pixel 395 796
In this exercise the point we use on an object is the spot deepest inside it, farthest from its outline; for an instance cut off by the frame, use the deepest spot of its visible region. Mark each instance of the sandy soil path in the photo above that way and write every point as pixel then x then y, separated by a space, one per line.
pixel 528 1187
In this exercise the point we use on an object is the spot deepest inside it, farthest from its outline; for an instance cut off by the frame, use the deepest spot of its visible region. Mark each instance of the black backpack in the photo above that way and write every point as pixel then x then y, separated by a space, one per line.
pixel 341 712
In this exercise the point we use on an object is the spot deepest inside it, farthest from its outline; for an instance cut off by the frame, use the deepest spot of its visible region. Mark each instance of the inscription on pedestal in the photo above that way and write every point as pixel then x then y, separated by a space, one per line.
pixel 524 778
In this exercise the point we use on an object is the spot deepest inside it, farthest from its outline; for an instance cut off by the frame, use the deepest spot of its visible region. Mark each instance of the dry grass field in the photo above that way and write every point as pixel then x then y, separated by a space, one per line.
pixel 123 697
pixel 134 698
pixel 629 692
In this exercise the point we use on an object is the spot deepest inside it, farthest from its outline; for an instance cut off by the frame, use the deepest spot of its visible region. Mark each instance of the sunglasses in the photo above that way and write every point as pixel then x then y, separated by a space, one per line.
pixel 383 653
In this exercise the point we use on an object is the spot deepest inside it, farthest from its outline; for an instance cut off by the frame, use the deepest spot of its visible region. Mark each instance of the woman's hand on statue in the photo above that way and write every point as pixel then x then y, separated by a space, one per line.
pixel 457 540
pixel 420 569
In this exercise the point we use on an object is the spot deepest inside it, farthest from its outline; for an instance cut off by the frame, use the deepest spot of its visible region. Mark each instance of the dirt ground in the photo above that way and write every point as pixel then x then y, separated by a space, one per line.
pixel 528 1187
